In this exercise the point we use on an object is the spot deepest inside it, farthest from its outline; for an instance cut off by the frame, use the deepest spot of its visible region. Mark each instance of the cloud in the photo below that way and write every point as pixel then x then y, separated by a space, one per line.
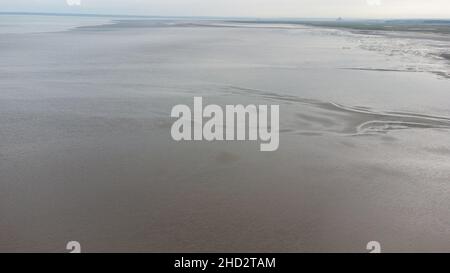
pixel 236 8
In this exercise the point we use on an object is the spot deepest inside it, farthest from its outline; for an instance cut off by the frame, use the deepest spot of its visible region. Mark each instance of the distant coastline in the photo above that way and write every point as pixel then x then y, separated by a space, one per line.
pixel 124 16
pixel 439 26
pixel 248 19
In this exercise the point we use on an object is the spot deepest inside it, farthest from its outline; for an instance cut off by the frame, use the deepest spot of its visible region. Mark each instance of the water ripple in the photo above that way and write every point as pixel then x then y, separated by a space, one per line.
pixel 316 117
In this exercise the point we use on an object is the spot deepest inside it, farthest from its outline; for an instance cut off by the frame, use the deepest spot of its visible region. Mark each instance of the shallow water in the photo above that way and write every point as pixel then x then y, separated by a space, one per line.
pixel 86 152
pixel 25 24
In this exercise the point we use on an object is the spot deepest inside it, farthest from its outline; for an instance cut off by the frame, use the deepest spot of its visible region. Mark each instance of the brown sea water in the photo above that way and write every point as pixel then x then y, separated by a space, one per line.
pixel 86 152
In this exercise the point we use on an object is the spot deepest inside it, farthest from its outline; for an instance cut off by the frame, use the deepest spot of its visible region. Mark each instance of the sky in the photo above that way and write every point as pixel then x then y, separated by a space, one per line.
pixel 241 8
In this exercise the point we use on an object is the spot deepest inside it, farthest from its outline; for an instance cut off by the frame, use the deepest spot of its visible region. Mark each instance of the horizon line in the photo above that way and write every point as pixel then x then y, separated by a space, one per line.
pixel 206 16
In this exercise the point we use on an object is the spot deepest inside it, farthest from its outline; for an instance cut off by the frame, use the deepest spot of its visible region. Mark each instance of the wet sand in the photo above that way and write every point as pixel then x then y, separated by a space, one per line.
pixel 86 152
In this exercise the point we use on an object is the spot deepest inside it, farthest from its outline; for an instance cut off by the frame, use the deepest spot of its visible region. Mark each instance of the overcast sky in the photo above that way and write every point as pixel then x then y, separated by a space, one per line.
pixel 243 8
